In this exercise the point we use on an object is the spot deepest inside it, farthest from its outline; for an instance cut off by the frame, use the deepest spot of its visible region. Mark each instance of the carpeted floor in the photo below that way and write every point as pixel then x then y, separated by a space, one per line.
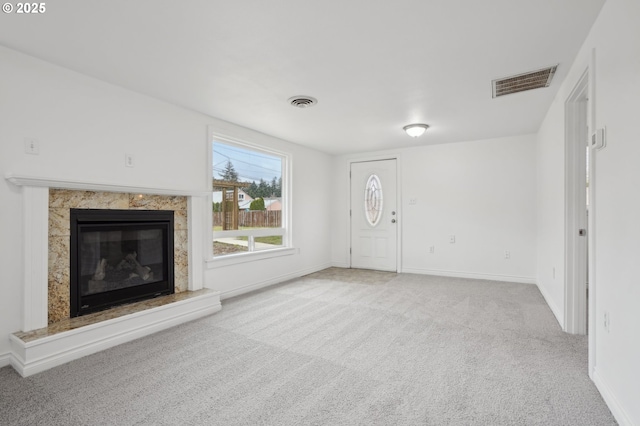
pixel 338 347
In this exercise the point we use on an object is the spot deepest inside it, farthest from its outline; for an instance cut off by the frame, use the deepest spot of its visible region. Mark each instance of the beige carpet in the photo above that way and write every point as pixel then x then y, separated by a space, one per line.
pixel 339 347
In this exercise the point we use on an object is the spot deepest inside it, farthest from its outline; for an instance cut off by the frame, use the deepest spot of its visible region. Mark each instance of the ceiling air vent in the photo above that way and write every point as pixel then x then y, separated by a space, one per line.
pixel 522 82
pixel 303 101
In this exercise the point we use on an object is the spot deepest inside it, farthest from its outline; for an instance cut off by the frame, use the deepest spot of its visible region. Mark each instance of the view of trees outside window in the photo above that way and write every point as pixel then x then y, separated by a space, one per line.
pixel 247 199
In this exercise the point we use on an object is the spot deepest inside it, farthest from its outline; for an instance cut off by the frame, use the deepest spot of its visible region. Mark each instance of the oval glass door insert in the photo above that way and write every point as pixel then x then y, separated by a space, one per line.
pixel 373 200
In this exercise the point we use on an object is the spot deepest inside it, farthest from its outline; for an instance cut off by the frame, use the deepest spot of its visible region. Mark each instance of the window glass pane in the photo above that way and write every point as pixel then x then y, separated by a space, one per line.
pixel 373 200
pixel 247 196
pixel 268 242
pixel 222 246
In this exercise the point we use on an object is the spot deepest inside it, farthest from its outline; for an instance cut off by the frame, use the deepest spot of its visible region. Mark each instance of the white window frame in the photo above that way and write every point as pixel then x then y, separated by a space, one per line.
pixel 284 231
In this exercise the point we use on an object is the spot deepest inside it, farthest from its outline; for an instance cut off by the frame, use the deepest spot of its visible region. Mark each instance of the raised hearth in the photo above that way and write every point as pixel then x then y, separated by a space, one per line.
pixel 38 350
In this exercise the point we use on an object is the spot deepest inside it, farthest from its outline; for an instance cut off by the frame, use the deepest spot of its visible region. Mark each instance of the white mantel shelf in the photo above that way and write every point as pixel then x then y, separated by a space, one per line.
pixel 45 182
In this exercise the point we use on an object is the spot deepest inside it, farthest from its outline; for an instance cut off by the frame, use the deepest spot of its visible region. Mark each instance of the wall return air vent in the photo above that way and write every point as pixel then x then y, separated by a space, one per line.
pixel 521 82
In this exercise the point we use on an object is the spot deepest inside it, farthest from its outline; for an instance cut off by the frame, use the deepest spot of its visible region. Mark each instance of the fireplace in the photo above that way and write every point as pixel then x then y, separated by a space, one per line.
pixel 49 337
pixel 119 256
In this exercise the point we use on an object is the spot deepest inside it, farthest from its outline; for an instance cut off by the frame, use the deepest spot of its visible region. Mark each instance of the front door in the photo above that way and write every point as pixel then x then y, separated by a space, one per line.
pixel 374 218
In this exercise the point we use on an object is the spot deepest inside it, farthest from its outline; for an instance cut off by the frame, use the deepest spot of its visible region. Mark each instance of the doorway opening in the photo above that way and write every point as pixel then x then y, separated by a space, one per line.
pixel 576 207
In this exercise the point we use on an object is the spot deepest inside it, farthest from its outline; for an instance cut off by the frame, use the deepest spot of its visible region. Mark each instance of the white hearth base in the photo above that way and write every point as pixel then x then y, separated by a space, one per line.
pixel 31 356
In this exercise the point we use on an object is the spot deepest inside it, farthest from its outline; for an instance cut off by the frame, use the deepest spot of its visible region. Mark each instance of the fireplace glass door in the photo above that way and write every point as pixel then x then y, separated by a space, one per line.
pixel 119 256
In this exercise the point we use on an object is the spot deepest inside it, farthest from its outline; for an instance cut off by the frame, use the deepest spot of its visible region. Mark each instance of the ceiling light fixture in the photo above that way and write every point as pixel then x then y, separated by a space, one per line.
pixel 415 130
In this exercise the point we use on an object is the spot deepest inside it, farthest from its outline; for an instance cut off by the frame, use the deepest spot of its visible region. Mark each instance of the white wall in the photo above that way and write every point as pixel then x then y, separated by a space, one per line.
pixel 550 189
pixel 85 127
pixel 615 37
pixel 483 192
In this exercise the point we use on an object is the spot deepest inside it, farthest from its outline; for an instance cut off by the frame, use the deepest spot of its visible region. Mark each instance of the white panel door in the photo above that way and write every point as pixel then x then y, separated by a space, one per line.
pixel 374 215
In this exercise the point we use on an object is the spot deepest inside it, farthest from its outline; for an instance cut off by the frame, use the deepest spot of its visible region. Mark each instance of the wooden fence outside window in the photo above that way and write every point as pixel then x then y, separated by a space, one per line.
pixel 254 219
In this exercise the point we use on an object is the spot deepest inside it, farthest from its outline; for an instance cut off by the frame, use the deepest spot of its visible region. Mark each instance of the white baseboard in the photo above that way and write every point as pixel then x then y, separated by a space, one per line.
pixel 275 280
pixel 336 264
pixel 554 308
pixel 473 275
pixel 5 359
pixel 609 397
pixel 32 357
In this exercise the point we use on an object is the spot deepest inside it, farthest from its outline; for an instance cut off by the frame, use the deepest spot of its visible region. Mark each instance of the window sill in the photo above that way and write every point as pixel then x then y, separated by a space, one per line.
pixel 234 259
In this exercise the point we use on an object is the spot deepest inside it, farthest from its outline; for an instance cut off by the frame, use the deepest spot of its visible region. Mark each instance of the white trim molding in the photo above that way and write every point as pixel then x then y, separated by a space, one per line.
pixel 237 258
pixel 473 275
pixel 6 359
pixel 272 281
pixel 286 229
pixel 611 400
pixel 196 253
pixel 576 263
pixel 591 243
pixel 554 308
pixel 35 207
pixel 45 182
pixel 358 158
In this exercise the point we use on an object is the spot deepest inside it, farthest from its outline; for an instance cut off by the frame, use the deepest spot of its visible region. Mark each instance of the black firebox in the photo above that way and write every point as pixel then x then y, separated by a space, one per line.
pixel 119 256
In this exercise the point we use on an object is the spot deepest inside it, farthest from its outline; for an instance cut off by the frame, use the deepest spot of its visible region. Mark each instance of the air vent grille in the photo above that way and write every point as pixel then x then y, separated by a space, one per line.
pixel 303 101
pixel 520 83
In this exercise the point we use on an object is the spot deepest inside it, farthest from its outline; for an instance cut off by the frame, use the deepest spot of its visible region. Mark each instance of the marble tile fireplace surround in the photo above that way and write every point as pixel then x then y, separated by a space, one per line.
pixel 61 201
pixel 49 337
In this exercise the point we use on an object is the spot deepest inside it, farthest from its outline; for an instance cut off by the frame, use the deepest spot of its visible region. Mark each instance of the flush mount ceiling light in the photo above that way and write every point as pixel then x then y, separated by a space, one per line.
pixel 302 101
pixel 415 130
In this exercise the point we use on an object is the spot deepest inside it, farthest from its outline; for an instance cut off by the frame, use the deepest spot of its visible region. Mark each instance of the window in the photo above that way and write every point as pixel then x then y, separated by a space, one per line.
pixel 373 200
pixel 249 199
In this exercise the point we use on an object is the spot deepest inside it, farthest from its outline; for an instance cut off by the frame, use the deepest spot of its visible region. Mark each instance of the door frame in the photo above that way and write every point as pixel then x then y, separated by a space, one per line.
pixel 576 246
pixel 365 159
pixel 586 84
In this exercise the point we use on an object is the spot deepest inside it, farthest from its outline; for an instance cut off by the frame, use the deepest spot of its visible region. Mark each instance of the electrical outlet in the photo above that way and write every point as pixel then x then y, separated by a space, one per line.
pixel 31 146
pixel 507 254
pixel 432 249
pixel 128 160
pixel 607 321
pixel 452 239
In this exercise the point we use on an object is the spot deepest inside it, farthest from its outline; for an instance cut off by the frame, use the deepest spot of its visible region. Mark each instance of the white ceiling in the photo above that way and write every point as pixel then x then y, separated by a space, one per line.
pixel 373 65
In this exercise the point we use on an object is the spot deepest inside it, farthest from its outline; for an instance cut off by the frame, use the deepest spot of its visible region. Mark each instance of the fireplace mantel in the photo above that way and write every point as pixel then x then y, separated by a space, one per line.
pixel 35 207
pixel 46 182
pixel 35 195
